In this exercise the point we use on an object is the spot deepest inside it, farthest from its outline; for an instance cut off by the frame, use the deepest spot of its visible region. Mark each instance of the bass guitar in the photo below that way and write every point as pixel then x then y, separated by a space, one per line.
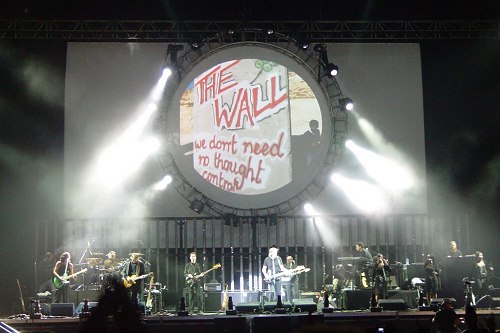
pixel 291 272
pixel 58 283
pixel 129 281
pixel 190 280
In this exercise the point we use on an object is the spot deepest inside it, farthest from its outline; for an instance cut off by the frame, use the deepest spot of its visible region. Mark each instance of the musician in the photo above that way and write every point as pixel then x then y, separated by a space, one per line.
pixel 63 267
pixel 480 275
pixel 290 283
pixel 431 277
pixel 363 252
pixel 193 288
pixel 454 252
pixel 272 266
pixel 133 269
pixel 380 275
pixel 364 265
pixel 111 260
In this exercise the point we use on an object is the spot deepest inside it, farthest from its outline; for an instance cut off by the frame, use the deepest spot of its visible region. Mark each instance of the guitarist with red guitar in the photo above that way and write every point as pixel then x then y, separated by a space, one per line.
pixel 133 274
pixel 62 271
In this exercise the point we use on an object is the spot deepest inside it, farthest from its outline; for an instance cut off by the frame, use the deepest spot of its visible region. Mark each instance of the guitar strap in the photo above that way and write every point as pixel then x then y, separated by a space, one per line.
pixel 274 267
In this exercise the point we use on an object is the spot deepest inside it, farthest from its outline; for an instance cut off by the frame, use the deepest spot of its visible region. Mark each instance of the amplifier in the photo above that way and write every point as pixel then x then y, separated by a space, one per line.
pixel 212 287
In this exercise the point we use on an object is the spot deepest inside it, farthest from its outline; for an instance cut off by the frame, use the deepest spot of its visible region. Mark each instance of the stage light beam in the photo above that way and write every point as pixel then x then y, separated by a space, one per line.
pixel 395 176
pixel 365 196
pixel 163 184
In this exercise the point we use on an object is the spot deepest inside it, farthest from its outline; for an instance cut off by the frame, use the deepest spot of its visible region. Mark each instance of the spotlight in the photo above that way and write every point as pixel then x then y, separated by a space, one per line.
pixel 332 69
pixel 167 71
pixel 172 50
pixel 319 47
pixel 230 32
pixel 197 205
pixel 196 43
pixel 270 31
pixel 346 104
pixel 303 43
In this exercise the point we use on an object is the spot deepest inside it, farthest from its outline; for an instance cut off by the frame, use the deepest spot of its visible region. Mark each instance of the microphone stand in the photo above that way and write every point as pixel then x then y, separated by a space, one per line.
pixel 85 252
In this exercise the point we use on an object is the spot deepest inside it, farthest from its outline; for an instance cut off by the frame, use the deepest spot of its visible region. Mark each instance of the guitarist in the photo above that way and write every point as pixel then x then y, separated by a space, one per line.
pixel 291 283
pixel 193 290
pixel 62 268
pixel 273 265
pixel 134 268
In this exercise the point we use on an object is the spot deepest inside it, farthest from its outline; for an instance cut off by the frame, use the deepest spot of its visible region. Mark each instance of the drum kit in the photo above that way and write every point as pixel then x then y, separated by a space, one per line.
pixel 98 269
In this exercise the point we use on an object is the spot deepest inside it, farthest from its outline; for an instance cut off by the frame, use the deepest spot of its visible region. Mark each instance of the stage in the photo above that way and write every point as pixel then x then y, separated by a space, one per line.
pixel 340 321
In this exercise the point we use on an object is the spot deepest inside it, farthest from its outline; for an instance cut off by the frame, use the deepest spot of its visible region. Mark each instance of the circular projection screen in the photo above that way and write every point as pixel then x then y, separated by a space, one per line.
pixel 250 127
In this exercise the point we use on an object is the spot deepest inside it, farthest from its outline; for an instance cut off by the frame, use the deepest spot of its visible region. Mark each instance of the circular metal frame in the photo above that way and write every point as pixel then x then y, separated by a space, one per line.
pixel 289 47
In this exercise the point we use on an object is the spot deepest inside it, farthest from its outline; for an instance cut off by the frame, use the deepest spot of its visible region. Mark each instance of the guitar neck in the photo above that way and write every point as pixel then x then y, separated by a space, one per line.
pixel 74 274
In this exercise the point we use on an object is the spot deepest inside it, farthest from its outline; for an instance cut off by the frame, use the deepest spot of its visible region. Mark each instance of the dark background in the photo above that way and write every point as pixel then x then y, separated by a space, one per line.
pixel 461 88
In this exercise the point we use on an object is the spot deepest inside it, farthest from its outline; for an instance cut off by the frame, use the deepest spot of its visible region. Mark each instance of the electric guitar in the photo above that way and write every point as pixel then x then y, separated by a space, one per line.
pixel 291 272
pixel 149 301
pixel 190 280
pixel 225 303
pixel 58 283
pixel 129 281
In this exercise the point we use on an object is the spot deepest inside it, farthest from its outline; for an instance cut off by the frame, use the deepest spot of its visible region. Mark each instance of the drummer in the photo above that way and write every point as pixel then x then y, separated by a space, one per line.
pixel 111 260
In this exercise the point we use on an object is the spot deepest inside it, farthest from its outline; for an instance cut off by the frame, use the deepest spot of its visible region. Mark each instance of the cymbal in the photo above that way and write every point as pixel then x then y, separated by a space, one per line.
pixel 136 254
pixel 94 259
pixel 97 253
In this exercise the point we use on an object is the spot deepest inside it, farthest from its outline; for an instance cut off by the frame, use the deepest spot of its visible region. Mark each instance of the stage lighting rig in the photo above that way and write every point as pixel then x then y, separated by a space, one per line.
pixel 330 68
pixel 346 104
pixel 172 51
pixel 197 205
pixel 303 43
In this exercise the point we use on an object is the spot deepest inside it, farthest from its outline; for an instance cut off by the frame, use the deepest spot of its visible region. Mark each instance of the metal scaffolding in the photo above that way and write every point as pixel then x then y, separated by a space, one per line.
pixel 184 31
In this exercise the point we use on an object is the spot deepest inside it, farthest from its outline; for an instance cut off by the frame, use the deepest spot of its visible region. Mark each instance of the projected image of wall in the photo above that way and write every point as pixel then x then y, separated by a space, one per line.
pixel 239 117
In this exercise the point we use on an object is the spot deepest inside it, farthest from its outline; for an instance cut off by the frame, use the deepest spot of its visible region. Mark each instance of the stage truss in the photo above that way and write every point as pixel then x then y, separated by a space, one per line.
pixel 185 31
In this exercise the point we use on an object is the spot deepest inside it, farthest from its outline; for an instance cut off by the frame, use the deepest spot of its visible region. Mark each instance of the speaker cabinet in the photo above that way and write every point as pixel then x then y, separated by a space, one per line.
pixel 62 309
pixel 304 305
pixel 271 306
pixel 392 304
pixel 251 307
pixel 213 301
pixel 78 296
pixel 44 308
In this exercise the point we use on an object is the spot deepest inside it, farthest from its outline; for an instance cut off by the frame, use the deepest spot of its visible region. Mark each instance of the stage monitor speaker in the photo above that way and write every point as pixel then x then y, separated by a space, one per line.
pixel 78 296
pixel 79 308
pixel 62 309
pixel 251 307
pixel 304 305
pixel 270 306
pixel 213 301
pixel 392 304
pixel 44 308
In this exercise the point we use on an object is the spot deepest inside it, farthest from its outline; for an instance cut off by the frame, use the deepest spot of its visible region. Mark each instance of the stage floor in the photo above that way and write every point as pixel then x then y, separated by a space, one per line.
pixel 360 321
